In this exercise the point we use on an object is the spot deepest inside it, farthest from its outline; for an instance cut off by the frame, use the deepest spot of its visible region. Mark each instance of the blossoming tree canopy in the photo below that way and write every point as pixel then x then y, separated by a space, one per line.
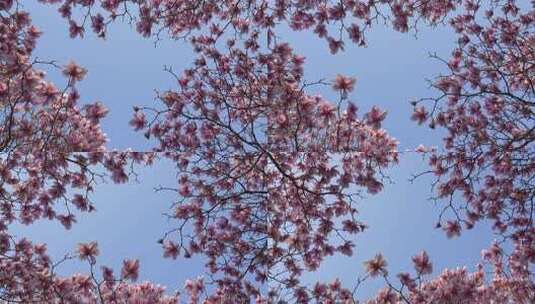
pixel 50 148
pixel 269 172
pixel 261 153
pixel 486 106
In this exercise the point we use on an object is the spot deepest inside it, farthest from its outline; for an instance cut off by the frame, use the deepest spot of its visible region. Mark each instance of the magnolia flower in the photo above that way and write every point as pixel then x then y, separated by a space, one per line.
pixel 422 263
pixel 344 84
pixel 88 251
pixel 130 270
pixel 74 71
pixel 376 266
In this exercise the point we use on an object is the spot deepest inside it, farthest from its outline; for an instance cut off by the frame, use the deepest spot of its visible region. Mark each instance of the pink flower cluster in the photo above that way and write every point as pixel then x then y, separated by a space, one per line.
pixel 334 21
pixel 268 173
pixel 486 167
pixel 49 150
pixel 261 187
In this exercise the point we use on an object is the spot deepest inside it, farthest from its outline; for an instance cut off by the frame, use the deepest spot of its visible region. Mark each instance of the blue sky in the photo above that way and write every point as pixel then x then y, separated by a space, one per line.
pixel 126 69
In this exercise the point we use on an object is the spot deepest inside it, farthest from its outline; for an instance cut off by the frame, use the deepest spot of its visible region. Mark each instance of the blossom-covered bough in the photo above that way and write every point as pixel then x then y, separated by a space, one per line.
pixel 334 21
pixel 50 152
pixel 486 168
pixel 266 168
pixel 269 173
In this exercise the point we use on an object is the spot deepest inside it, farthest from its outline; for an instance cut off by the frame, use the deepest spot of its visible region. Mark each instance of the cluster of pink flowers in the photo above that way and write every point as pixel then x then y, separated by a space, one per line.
pixel 28 276
pixel 455 286
pixel 333 21
pixel 268 171
pixel 261 186
pixel 50 148
pixel 486 167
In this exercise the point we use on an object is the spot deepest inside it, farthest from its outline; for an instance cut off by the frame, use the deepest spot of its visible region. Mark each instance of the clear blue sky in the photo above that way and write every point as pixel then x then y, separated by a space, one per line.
pixel 124 71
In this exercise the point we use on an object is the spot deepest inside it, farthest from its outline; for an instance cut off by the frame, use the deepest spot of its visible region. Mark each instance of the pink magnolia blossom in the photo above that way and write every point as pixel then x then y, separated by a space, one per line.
pixel 376 266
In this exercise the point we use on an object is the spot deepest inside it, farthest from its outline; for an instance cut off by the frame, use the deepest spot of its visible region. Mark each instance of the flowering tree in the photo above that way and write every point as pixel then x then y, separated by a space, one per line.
pixel 486 106
pixel 49 155
pixel 262 185
pixel 268 171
